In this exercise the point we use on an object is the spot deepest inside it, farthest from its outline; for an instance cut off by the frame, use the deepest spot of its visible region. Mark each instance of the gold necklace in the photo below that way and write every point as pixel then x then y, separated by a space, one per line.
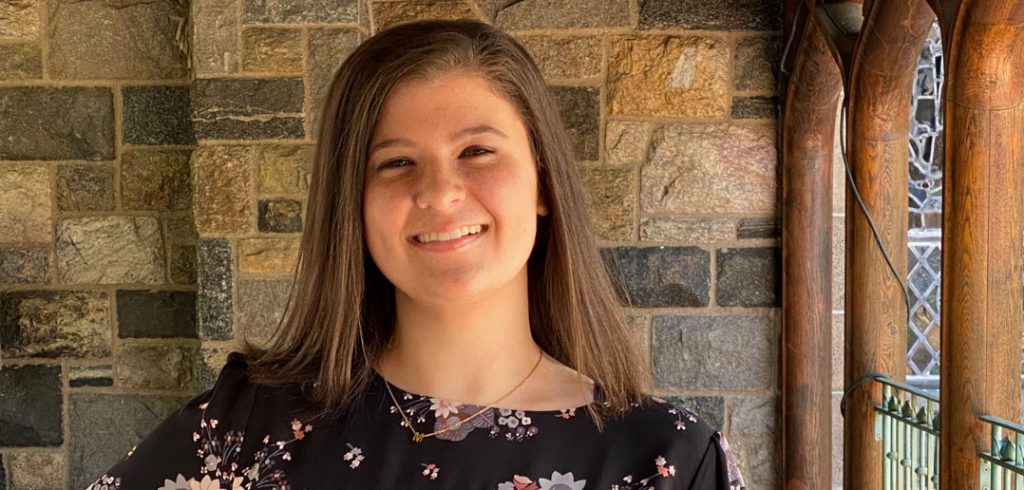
pixel 418 436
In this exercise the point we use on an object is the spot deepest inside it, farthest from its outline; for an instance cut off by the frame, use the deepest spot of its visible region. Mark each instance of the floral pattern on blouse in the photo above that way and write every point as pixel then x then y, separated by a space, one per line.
pixel 516 425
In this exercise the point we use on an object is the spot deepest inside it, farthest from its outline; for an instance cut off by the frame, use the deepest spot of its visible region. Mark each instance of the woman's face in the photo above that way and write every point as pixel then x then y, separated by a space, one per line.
pixel 450 200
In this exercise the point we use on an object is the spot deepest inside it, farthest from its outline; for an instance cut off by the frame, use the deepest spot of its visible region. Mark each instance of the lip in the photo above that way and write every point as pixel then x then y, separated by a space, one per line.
pixel 448 245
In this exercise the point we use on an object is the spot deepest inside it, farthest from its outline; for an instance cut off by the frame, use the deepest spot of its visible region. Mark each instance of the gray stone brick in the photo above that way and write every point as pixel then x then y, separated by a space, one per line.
pixel 183 264
pixel 660 276
pixel 749 277
pixel 580 109
pixel 30 408
pixel 751 416
pixel 512 16
pixel 710 409
pixel 238 108
pixel 280 216
pixel 157 115
pixel 261 304
pixel 301 11
pixel 754 15
pixel 54 324
pixel 105 427
pixel 85 187
pixel 21 61
pixel 213 297
pixel 82 376
pixel 110 250
pixel 156 314
pixel 155 366
pixel 328 49
pixel 755 108
pixel 756 64
pixel 733 352
pixel 56 123
pixel 25 266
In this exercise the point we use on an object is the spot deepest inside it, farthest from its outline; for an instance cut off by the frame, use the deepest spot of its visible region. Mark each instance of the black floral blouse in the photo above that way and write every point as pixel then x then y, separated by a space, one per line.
pixel 242 436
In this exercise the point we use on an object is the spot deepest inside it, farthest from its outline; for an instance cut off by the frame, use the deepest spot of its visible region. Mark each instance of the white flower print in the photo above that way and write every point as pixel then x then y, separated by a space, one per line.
pixel 430 470
pixel 444 408
pixel 561 481
pixel 180 484
pixel 354 456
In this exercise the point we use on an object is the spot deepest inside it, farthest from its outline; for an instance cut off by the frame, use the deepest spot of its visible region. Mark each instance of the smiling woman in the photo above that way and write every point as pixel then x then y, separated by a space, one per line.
pixel 451 323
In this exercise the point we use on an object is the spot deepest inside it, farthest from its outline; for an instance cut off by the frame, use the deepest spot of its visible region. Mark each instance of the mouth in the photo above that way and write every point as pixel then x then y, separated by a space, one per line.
pixel 450 235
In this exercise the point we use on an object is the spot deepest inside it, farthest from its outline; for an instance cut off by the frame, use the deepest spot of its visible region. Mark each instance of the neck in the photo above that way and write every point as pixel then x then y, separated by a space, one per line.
pixel 471 352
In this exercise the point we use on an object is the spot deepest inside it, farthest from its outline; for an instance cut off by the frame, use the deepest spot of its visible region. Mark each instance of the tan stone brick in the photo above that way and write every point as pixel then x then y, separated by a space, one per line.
pixel 577 58
pixel 284 170
pixel 269 50
pixel 211 359
pixel 26 194
pixel 387 14
pixel 20 61
pixel 35 471
pixel 155 367
pixel 328 48
pixel 223 186
pixel 19 19
pixel 711 168
pixel 682 76
pixel 560 14
pixel 611 198
pixel 54 324
pixel 215 37
pixel 268 255
pixel 110 250
pixel 626 142
pixel 158 180
pixel 690 231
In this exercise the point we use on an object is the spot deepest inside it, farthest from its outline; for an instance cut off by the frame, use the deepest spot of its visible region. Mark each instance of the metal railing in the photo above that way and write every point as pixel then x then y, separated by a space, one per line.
pixel 907 424
pixel 1002 466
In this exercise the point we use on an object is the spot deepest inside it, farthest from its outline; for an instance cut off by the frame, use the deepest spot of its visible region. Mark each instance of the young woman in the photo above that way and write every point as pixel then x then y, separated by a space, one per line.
pixel 451 323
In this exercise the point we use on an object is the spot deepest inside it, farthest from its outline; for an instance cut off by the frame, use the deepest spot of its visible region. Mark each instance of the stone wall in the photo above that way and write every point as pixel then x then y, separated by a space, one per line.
pixel 149 219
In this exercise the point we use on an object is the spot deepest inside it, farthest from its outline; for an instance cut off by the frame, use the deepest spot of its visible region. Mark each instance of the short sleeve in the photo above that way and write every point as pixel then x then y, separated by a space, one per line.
pixel 171 451
pixel 718 469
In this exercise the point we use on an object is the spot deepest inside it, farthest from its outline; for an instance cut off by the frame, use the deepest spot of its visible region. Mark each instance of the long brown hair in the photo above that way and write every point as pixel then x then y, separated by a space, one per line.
pixel 341 311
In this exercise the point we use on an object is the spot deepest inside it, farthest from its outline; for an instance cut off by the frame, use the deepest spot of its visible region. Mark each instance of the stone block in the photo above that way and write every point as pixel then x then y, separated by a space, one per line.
pixel 838 263
pixel 729 352
pixel 25 266
pixel 749 277
pixel 183 264
pixel 284 170
pixel 21 61
pixel 19 19
pixel 710 409
pixel 640 326
pixel 611 201
pixel 155 367
pixel 156 180
pixel 652 277
pixel 566 58
pixel 91 376
pixel 105 427
pixel 711 169
pixel 838 351
pixel 30 409
pixel 85 187
pixel 626 142
pixel 55 324
pixel 580 108
pixel 755 108
pixel 757 61
pixel 56 123
pixel 224 180
pixel 759 460
pixel 270 50
pixel 247 108
pixel 114 40
pixel 215 36
pixel 208 364
pixel 157 115
pixel 713 15
pixel 268 255
pixel 214 306
pixel 156 314
pixel 759 228
pixel 25 190
pixel 110 250
pixel 261 305
pixel 387 14
pixel 328 48
pixel 687 230
pixel 280 216
pixel 562 14
pixel 674 76
pixel 301 11
pixel 180 229
pixel 36 470
pixel 753 416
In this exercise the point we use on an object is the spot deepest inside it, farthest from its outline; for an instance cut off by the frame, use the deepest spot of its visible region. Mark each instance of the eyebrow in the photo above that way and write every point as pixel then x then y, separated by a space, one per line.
pixel 470 131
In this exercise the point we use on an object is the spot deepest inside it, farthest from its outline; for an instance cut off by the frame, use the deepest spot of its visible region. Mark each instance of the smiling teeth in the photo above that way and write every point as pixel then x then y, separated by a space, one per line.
pixel 457 233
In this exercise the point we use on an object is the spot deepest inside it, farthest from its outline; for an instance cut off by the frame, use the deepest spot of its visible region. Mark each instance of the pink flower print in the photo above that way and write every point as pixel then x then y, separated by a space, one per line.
pixel 567 413
pixel 430 470
pixel 354 456
pixel 443 408
pixel 205 484
pixel 518 482
pixel 559 481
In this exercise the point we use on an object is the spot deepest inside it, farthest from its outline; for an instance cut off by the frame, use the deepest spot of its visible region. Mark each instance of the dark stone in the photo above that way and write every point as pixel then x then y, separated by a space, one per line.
pixel 156 314
pixel 3 474
pixel 213 295
pixel 87 187
pixel 715 15
pixel 56 123
pixel 105 427
pixel 301 11
pixel 91 376
pixel 757 64
pixel 710 409
pixel 156 180
pixel 660 276
pixel 247 108
pixel 155 115
pixel 510 15
pixel 749 277
pixel 54 323
pixel 728 352
pixel 758 228
pixel 755 107
pixel 280 216
pixel 183 264
pixel 25 266
pixel 97 381
pixel 580 109
pixel 30 406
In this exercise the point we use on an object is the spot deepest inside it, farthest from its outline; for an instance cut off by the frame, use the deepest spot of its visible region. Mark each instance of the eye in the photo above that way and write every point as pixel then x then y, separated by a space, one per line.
pixel 476 151
pixel 396 163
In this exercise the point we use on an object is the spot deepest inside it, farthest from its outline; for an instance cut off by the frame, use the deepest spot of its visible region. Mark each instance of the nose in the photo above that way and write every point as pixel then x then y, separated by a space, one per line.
pixel 439 187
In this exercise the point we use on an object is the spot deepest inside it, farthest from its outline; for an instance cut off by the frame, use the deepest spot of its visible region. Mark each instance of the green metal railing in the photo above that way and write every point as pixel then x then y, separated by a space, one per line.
pixel 1002 466
pixel 907 423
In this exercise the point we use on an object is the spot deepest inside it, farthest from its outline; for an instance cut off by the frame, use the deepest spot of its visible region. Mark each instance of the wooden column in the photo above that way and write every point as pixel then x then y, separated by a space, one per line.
pixel 880 88
pixel 808 122
pixel 982 225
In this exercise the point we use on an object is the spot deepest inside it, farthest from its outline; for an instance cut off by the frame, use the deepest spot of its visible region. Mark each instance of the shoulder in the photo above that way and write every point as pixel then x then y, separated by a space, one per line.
pixel 663 421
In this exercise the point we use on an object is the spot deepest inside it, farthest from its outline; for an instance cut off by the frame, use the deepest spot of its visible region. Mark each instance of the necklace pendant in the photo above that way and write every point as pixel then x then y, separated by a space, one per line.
pixel 417 437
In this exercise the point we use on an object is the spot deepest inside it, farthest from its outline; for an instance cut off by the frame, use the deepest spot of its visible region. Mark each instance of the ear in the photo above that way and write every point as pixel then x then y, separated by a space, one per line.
pixel 542 206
